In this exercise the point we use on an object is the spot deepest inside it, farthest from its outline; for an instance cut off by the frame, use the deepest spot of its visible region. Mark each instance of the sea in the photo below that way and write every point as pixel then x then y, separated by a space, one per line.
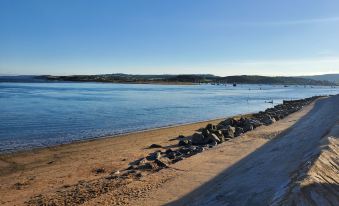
pixel 34 115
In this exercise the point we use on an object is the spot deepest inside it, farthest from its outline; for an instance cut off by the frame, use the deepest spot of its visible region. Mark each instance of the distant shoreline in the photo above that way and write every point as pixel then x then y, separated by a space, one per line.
pixel 150 82
pixel 189 79
pixel 165 83
pixel 182 83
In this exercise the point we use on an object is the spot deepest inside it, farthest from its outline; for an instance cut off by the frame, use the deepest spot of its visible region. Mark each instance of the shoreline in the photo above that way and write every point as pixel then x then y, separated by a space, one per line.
pixel 96 140
pixel 91 139
pixel 28 173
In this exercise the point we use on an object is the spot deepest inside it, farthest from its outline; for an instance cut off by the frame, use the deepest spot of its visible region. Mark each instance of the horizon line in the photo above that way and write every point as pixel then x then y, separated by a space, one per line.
pixel 163 74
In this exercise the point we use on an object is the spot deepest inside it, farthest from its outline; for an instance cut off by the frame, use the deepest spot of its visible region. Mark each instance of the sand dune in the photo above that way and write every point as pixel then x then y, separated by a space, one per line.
pixel 316 182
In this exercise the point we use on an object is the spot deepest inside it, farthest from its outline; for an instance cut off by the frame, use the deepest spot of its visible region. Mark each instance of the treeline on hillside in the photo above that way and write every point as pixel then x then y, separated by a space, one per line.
pixel 127 78
pixel 273 80
pixel 188 79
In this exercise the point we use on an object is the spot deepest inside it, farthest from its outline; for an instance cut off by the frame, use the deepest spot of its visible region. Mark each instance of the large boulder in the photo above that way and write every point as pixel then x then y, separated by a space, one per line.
pixel 205 132
pixel 198 139
pixel 211 127
pixel 256 123
pixel 227 122
pixel 219 135
pixel 228 132
pixel 267 120
pixel 185 142
pixel 248 127
pixel 221 126
pixel 171 154
pixel 241 122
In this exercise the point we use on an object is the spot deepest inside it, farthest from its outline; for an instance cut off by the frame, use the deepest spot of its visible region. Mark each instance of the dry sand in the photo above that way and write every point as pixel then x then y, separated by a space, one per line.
pixel 26 174
pixel 266 166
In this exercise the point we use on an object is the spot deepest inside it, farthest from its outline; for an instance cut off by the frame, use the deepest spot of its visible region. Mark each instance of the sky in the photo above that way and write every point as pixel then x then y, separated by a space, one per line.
pixel 221 37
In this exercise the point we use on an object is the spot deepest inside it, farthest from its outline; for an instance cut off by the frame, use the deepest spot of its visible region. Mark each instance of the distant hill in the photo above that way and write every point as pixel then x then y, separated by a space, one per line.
pixel 137 79
pixel 172 79
pixel 324 77
pixel 22 78
pixel 244 79
pixel 188 79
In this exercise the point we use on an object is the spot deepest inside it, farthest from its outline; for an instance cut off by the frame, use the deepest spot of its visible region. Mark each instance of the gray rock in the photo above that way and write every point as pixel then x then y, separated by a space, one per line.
pixel 213 138
pixel 256 123
pixel 248 127
pixel 238 131
pixel 200 149
pixel 154 156
pixel 267 119
pixel 185 142
pixel 229 121
pixel 241 122
pixel 221 126
pixel 186 150
pixel 155 146
pixel 171 155
pixel 205 132
pixel 211 127
pixel 168 151
pixel 213 144
pixel 198 139
pixel 228 132
pixel 219 135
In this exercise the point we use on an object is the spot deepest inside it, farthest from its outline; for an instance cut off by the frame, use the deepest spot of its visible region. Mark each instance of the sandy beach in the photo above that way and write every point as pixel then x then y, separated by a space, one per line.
pixel 43 170
pixel 175 103
pixel 254 168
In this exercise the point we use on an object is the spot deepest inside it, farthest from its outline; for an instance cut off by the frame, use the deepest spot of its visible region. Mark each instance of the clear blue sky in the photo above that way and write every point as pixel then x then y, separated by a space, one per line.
pixel 267 37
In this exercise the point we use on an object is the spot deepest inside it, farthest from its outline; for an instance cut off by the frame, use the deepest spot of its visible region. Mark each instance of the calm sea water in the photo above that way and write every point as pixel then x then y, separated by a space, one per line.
pixel 43 114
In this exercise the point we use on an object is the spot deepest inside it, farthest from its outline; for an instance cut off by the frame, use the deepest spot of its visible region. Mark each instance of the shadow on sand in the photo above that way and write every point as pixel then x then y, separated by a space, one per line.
pixel 255 179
